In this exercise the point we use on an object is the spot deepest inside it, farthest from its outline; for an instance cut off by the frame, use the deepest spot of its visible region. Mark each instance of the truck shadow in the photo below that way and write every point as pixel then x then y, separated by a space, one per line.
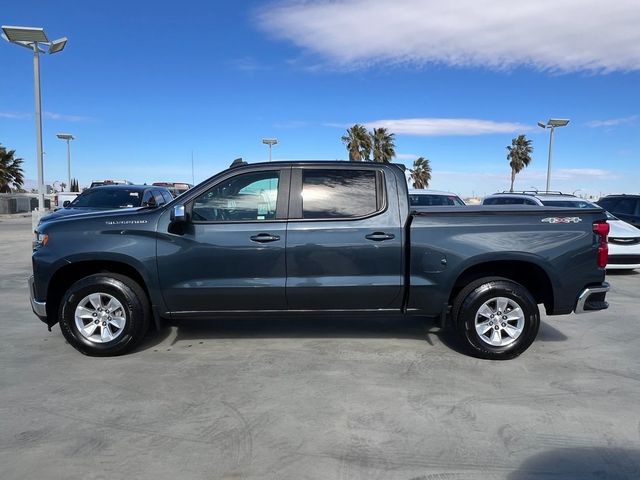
pixel 581 464
pixel 392 327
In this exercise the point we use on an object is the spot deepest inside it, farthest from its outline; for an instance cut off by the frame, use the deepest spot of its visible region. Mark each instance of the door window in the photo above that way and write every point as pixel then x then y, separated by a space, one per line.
pixel 249 197
pixel 328 194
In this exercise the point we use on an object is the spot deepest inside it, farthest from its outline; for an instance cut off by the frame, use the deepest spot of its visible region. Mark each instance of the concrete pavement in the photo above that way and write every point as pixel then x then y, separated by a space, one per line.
pixel 317 398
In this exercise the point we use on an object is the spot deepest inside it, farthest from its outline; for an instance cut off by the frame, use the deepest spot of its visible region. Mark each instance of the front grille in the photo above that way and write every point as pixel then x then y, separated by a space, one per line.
pixel 623 259
pixel 624 241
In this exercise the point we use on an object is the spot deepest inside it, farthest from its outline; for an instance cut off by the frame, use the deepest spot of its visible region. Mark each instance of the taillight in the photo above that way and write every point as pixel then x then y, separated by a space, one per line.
pixel 55 200
pixel 602 230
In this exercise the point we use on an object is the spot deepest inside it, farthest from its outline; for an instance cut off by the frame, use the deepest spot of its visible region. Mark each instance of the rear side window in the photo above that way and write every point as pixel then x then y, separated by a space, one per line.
pixel 504 201
pixel 341 193
pixel 418 200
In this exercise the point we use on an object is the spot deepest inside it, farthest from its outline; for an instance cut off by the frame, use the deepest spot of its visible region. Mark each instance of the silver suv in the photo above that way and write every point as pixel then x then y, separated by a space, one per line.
pixel 547 199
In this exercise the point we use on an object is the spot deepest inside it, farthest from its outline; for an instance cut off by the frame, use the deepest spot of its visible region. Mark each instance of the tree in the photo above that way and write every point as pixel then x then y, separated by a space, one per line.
pixel 11 172
pixel 63 186
pixel 74 185
pixel 358 143
pixel 421 172
pixel 383 144
pixel 519 156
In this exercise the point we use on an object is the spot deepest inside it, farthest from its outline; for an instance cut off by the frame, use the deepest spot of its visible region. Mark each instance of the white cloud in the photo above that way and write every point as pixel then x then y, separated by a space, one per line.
pixel 429 127
pixel 406 156
pixel 66 118
pixel 13 115
pixel 567 36
pixel 613 122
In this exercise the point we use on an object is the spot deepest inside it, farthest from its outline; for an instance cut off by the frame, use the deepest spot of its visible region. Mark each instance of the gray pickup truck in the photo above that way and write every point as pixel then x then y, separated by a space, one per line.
pixel 335 238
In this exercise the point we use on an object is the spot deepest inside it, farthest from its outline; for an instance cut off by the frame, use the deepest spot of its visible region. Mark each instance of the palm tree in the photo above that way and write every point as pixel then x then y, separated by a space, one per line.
pixel 358 143
pixel 384 148
pixel 421 172
pixel 10 170
pixel 519 156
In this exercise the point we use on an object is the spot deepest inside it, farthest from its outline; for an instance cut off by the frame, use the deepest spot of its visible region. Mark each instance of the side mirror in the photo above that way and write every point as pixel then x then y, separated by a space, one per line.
pixel 66 203
pixel 178 214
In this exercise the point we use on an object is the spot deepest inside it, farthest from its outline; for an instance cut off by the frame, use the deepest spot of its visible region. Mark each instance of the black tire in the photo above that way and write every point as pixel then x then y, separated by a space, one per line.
pixel 466 308
pixel 131 296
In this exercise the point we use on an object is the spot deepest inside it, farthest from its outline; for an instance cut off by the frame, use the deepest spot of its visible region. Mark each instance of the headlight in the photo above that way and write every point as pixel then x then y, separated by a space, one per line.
pixel 41 240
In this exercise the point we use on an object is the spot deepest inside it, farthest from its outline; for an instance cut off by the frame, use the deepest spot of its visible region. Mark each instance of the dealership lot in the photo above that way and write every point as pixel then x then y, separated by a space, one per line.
pixel 316 398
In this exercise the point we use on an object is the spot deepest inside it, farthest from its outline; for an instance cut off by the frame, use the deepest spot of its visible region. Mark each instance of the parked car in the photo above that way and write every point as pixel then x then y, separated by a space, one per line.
pixel 101 183
pixel 624 239
pixel 625 207
pixel 335 238
pixel 419 198
pixel 63 199
pixel 113 197
pixel 175 188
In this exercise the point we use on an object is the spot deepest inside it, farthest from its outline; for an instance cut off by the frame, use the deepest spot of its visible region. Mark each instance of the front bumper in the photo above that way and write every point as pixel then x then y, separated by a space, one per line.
pixel 39 308
pixel 592 299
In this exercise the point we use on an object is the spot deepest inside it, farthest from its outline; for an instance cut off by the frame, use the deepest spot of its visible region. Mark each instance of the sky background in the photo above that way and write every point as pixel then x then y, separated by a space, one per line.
pixel 143 84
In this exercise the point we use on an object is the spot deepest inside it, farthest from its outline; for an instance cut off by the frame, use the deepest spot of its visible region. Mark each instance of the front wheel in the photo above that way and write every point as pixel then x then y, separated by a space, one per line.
pixel 497 318
pixel 104 314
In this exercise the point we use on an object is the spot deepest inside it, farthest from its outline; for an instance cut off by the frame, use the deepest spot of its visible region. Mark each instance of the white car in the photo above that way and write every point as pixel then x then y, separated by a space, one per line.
pixel 624 245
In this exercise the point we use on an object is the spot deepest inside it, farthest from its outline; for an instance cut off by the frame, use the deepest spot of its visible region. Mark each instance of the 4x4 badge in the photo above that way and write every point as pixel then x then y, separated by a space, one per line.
pixel 562 220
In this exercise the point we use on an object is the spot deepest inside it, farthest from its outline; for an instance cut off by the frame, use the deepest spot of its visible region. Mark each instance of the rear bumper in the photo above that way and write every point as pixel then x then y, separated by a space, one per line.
pixel 39 308
pixel 592 299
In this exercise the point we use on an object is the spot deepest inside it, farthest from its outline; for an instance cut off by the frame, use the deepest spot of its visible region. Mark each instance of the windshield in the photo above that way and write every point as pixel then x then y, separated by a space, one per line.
pixel 430 200
pixel 108 198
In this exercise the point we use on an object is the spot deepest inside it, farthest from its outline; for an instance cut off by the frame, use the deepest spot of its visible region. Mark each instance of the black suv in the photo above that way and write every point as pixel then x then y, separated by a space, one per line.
pixel 625 207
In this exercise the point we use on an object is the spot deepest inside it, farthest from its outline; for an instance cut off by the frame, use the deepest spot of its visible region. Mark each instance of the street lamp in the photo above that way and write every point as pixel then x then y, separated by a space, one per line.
pixel 33 39
pixel 271 142
pixel 551 125
pixel 68 137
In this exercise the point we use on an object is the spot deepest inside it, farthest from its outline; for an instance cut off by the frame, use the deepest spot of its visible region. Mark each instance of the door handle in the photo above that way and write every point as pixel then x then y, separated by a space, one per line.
pixel 264 238
pixel 380 236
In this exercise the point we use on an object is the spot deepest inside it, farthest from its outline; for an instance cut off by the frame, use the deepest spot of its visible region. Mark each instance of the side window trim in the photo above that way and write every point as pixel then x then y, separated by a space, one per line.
pixel 284 181
pixel 295 195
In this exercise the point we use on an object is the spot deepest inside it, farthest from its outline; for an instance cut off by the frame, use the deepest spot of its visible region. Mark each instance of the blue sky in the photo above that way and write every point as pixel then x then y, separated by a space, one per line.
pixel 143 84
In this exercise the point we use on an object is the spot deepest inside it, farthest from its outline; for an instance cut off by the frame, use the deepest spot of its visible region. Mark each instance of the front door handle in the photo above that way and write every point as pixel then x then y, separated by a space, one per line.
pixel 380 236
pixel 264 238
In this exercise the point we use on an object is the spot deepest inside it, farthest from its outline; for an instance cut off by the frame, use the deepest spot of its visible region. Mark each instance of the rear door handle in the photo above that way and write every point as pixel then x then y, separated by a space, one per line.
pixel 264 238
pixel 380 236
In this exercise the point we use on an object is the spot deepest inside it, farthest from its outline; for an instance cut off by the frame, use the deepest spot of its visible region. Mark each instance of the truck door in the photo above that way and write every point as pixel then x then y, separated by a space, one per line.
pixel 344 240
pixel 231 254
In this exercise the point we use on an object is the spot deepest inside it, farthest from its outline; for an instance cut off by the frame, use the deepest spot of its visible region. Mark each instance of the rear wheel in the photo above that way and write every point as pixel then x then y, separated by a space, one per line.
pixel 104 314
pixel 497 318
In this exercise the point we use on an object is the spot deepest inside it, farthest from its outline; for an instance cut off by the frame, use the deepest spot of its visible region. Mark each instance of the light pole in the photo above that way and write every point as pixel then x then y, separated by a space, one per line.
pixel 271 142
pixel 68 137
pixel 33 38
pixel 551 125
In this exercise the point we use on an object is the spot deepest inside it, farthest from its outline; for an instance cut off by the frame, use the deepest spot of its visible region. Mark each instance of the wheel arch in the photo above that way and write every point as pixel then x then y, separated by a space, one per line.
pixel 70 273
pixel 527 273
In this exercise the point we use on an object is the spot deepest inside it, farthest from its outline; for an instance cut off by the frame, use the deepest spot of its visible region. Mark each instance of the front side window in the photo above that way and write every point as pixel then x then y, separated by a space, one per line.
pixel 567 203
pixel 339 193
pixel 249 197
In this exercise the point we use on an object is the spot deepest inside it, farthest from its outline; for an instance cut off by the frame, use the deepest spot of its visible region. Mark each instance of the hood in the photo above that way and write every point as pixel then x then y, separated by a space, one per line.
pixel 620 229
pixel 81 214
pixel 65 212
